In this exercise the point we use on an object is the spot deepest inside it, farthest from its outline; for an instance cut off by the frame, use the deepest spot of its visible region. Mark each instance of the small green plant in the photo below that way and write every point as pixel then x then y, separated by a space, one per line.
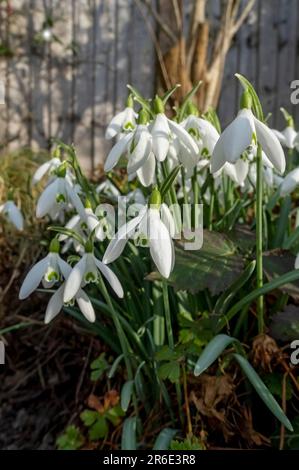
pixel 71 439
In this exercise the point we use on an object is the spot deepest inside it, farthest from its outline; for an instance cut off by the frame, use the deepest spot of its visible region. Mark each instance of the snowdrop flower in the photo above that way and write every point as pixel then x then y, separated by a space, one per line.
pixel 47 34
pixel 290 182
pixel 164 130
pixel 57 194
pixel 203 132
pixel 56 301
pixel 45 168
pixel 87 270
pixel 235 171
pixel 48 270
pixel 13 214
pixel 122 122
pixel 153 227
pixel 238 136
pixel 289 138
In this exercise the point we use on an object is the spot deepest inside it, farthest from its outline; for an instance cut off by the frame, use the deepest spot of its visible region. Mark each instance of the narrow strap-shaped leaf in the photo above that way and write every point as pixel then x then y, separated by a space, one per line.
pixel 263 391
pixel 128 438
pixel 126 394
pixel 256 104
pixel 291 239
pixel 115 366
pixel 212 351
pixel 282 222
pixel 224 300
pixel 68 232
pixel 164 439
pixel 139 98
pixel 170 179
pixel 168 94
pixel 268 287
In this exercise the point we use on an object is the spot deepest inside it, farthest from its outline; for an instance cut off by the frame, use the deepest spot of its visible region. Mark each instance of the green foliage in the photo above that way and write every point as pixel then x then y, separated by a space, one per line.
pixel 98 367
pixel 187 444
pixel 71 439
pixel 284 325
pixel 98 422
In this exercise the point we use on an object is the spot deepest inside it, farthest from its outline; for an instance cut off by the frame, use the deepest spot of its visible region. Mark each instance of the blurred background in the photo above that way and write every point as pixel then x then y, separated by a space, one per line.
pixel 66 63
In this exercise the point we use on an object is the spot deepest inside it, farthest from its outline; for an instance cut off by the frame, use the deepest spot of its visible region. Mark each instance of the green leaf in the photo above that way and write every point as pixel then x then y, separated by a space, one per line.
pixel 187 444
pixel 166 354
pixel 169 181
pixel 89 417
pixel 128 438
pixel 71 439
pixel 126 394
pixel 114 415
pixel 98 366
pixel 282 222
pixel 292 239
pixel 139 98
pixel 275 284
pixel 212 351
pixel 188 97
pixel 115 366
pixel 277 263
pixel 263 391
pixel 170 370
pixel 168 94
pixel 256 104
pixel 66 231
pixel 164 439
pixel 99 429
pixel 284 325
pixel 227 296
pixel 215 266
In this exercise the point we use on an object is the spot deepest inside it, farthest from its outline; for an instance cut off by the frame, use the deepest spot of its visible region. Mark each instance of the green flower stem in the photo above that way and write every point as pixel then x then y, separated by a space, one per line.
pixel 211 208
pixel 173 199
pixel 171 340
pixel 186 202
pixel 195 189
pixel 259 237
pixel 121 335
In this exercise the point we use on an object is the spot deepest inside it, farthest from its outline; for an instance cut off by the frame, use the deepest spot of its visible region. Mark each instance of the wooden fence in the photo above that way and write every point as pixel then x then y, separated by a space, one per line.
pixel 70 87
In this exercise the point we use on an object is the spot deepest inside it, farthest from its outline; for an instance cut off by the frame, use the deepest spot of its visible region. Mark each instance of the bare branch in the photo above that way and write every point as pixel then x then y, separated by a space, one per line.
pixel 237 25
pixel 159 20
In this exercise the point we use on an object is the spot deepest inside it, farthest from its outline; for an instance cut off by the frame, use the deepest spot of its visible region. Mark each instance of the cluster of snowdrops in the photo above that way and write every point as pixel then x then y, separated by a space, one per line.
pixel 182 151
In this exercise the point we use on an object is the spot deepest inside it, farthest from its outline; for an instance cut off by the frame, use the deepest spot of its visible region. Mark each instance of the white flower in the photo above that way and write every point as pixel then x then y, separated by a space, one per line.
pixel 290 182
pixel 48 270
pixel 288 137
pixel 56 195
pixel 122 122
pixel 153 227
pixel 203 132
pixel 86 271
pixel 236 171
pixel 238 136
pixel 47 167
pixel 13 213
pixel 56 301
pixel 47 34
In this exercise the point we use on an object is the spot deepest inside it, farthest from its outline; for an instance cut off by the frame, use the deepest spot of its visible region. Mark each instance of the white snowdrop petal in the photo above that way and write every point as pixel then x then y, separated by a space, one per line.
pixel 161 135
pixel 64 267
pixel 55 305
pixel 74 280
pixel 117 151
pixel 140 153
pixel 184 136
pixel 47 199
pixel 118 243
pixel 290 181
pixel 160 243
pixel 111 278
pixel 74 199
pixel 290 136
pixel 33 278
pixel 15 215
pixel 146 174
pixel 167 219
pixel 270 145
pixel 115 125
pixel 85 306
